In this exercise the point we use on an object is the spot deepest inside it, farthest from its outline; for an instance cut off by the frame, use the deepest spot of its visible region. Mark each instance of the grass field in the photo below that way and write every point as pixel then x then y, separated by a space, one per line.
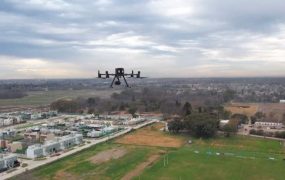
pixel 219 158
pixel 273 111
pixel 37 98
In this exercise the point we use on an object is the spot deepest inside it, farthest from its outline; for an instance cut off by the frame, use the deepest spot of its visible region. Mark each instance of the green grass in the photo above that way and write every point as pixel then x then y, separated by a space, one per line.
pixel 37 98
pixel 240 158
pixel 80 166
pixel 244 158
pixel 27 125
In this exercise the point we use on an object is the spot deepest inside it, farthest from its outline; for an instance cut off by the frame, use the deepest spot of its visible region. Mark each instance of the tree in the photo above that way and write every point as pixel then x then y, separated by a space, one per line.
pixel 243 119
pixel 187 109
pixel 280 134
pixel 228 95
pixel 230 128
pixel 259 115
pixel 132 110
pixel 122 107
pixel 65 106
pixel 175 125
pixel 201 124
pixel 223 114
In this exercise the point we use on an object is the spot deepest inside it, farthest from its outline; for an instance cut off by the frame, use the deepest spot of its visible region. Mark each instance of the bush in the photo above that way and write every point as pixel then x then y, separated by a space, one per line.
pixel 230 128
pixel 280 134
pixel 202 124
pixel 257 132
pixel 24 165
pixel 175 126
pixel 252 131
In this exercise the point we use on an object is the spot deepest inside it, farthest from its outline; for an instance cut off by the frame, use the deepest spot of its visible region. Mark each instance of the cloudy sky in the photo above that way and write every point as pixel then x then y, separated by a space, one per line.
pixel 162 38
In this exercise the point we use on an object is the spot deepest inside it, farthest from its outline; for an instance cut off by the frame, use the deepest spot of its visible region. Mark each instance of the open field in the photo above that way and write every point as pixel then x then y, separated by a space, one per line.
pixel 273 111
pixel 92 163
pixel 151 136
pixel 39 98
pixel 219 158
pixel 241 108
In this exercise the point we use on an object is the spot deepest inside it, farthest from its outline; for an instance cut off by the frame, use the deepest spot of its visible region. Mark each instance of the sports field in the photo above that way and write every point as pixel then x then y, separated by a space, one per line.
pixel 220 158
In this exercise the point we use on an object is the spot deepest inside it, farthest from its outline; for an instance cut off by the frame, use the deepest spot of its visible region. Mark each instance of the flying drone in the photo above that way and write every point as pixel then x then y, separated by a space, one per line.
pixel 119 73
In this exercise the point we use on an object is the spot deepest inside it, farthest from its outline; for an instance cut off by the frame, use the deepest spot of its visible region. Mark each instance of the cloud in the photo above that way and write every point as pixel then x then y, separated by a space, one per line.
pixel 184 38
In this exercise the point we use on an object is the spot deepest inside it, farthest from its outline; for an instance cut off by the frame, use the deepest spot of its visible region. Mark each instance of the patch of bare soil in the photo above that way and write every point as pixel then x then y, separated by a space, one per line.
pixel 137 171
pixel 108 155
pixel 62 175
pixel 151 136
pixel 242 108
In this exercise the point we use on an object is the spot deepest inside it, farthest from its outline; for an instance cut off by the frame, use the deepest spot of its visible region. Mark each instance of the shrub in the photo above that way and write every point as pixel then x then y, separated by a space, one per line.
pixel 280 134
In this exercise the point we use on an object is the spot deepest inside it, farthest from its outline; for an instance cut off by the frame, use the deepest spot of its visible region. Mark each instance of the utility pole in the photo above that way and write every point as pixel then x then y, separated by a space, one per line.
pixel 167 159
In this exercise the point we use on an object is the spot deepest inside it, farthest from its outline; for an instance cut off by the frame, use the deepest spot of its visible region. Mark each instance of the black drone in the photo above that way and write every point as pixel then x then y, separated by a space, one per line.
pixel 119 73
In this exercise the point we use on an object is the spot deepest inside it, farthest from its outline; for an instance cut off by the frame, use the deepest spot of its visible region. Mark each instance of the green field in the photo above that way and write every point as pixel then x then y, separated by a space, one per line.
pixel 220 158
pixel 240 158
pixel 79 166
pixel 37 98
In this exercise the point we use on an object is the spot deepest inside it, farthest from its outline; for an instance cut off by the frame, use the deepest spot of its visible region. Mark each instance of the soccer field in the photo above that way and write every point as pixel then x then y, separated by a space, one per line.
pixel 219 158
pixel 234 158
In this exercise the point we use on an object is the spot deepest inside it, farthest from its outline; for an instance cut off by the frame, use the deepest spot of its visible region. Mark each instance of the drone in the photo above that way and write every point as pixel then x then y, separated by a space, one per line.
pixel 119 73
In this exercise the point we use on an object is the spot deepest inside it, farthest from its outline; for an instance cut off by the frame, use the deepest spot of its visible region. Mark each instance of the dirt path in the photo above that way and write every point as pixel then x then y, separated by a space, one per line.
pixel 108 155
pixel 62 175
pixel 137 171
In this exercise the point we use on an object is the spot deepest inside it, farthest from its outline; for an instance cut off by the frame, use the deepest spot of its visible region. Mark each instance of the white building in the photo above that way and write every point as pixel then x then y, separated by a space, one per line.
pixel 134 121
pixel 269 124
pixel 70 140
pixel 8 121
pixel 95 134
pixel 282 101
pixel 98 133
pixel 223 122
pixel 35 151
pixel 8 161
pixel 53 146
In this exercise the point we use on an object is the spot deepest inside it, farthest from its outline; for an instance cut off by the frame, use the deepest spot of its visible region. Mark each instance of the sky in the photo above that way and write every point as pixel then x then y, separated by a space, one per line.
pixel 161 38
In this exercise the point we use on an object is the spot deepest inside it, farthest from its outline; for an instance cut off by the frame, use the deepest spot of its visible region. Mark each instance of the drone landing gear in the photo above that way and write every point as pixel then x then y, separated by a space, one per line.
pixel 118 82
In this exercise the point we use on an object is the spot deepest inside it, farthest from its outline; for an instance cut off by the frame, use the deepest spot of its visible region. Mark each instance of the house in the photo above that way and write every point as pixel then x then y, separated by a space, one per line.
pixel 14 146
pixel 8 161
pixel 272 125
pixel 35 151
pixel 223 122
pixel 134 121
pixel 53 146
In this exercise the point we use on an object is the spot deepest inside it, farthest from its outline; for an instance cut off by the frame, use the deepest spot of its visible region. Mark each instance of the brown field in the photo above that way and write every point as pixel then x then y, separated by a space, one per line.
pixel 273 111
pixel 151 136
pixel 242 108
pixel 139 169
pixel 108 155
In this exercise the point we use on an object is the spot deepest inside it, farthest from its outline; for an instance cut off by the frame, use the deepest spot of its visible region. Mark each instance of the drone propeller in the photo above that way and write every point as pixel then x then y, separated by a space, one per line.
pixel 132 75
pixel 139 74
pixel 99 75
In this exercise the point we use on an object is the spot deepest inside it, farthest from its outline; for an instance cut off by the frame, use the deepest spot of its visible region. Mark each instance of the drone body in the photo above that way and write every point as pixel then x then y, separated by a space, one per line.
pixel 119 73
